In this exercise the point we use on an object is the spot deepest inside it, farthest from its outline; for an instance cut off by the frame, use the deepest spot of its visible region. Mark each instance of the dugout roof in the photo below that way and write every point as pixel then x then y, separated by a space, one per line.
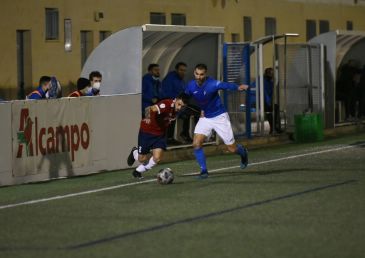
pixel 123 57
pixel 342 46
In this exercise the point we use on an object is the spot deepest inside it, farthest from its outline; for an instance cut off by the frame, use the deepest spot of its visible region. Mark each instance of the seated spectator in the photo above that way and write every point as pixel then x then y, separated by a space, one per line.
pixel 172 85
pixel 151 87
pixel 40 92
pixel 83 88
pixel 95 78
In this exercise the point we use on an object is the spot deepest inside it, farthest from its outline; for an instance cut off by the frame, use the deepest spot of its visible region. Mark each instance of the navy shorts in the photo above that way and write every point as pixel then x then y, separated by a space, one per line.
pixel 147 142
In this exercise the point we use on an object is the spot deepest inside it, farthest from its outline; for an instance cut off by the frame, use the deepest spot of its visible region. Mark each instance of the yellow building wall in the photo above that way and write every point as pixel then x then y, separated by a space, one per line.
pixel 50 58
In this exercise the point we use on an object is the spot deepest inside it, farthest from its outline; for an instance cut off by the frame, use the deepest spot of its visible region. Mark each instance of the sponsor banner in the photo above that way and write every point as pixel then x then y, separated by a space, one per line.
pixel 51 137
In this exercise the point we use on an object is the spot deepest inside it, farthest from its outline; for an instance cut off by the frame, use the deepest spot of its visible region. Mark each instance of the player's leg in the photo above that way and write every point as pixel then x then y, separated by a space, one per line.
pixel 158 145
pixel 156 157
pixel 139 153
pixel 151 162
pixel 145 143
pixel 202 130
pixel 223 128
pixel 134 155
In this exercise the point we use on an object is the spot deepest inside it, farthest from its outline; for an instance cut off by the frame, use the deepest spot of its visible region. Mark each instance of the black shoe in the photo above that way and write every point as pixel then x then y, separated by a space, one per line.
pixel 203 175
pixel 137 174
pixel 131 159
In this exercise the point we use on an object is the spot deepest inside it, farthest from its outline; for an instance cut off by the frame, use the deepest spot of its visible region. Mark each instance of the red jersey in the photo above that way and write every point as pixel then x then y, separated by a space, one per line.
pixel 159 121
pixel 76 93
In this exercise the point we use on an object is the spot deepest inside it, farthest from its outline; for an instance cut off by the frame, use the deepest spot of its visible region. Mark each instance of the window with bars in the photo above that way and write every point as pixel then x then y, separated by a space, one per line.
pixel 247 28
pixel 311 29
pixel 157 18
pixel 178 19
pixel 349 25
pixel 270 26
pixel 235 37
pixel 52 24
pixel 324 26
pixel 103 34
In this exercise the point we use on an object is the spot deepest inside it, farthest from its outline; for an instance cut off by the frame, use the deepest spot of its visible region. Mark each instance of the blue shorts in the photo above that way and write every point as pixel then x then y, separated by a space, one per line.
pixel 148 142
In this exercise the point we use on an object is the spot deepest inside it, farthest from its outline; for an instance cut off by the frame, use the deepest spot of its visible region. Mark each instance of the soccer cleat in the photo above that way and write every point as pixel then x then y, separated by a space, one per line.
pixel 244 159
pixel 137 174
pixel 203 175
pixel 131 159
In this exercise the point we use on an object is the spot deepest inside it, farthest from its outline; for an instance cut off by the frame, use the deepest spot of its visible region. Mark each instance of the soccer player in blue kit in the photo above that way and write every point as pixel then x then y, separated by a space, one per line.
pixel 214 116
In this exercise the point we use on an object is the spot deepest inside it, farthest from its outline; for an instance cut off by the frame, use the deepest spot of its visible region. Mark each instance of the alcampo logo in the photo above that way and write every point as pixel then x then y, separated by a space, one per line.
pixel 51 140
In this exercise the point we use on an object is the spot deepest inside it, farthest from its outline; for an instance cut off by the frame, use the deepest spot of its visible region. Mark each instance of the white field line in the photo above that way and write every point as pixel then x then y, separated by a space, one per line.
pixel 59 197
pixel 279 159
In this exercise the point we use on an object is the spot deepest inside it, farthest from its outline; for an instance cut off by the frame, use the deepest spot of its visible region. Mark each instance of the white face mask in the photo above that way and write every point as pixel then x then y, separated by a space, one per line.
pixel 96 85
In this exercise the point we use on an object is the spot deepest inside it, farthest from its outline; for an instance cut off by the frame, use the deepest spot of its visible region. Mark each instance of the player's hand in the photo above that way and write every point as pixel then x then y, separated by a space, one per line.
pixel 147 120
pixel 242 87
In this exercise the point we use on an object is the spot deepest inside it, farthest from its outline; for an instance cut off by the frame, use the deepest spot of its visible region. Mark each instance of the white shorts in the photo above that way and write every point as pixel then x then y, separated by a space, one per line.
pixel 220 124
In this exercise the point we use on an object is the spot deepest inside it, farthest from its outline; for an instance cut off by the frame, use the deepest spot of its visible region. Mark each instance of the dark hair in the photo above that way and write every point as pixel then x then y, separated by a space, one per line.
pixel 94 74
pixel 201 67
pixel 44 79
pixel 184 97
pixel 151 66
pixel 82 83
pixel 180 64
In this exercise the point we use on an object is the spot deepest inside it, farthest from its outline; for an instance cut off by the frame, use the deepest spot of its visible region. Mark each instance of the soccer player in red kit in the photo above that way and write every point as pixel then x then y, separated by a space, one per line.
pixel 152 133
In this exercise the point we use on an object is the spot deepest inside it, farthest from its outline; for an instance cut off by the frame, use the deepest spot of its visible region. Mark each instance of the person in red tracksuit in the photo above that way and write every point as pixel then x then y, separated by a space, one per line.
pixel 83 88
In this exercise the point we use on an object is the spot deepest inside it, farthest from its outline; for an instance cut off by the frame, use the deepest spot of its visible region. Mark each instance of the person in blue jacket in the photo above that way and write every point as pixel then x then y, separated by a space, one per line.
pixel 205 91
pixel 151 87
pixel 40 92
pixel 172 85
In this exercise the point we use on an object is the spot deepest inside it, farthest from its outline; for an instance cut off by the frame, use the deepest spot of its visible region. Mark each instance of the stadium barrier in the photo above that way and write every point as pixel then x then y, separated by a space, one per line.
pixel 46 139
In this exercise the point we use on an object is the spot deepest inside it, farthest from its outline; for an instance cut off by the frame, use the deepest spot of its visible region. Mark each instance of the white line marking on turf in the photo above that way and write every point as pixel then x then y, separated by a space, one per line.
pixel 59 197
pixel 279 159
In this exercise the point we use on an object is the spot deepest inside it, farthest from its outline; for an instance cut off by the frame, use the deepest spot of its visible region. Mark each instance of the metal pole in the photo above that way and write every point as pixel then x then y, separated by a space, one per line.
pixel 273 84
pixel 261 90
pixel 257 49
pixel 285 56
pixel 310 86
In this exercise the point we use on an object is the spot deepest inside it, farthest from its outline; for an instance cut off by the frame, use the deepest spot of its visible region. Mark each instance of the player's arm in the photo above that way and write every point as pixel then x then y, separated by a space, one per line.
pixel 231 86
pixel 150 110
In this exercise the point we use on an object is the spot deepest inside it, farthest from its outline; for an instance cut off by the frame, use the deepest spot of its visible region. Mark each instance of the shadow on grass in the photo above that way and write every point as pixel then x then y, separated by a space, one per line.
pixel 358 144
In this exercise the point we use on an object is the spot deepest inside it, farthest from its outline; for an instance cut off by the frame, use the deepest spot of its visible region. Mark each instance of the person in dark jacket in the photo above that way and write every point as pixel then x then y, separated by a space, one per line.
pixel 151 87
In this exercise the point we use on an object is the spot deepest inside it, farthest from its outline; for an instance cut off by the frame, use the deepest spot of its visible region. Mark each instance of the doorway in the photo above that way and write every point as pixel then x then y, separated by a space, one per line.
pixel 24 62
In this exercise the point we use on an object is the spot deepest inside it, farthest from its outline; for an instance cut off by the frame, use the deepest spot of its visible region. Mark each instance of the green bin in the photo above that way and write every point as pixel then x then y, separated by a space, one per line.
pixel 308 127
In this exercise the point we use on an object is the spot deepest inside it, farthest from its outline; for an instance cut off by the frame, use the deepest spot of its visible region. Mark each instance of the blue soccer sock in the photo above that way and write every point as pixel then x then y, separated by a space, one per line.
pixel 240 150
pixel 200 157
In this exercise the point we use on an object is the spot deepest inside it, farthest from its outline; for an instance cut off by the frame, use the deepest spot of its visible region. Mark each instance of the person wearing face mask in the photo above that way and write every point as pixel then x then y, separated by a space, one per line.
pixel 151 87
pixel 41 91
pixel 83 88
pixel 95 78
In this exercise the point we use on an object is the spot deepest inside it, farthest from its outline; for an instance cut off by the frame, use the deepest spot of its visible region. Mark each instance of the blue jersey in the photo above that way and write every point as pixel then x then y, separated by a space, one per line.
pixel 37 94
pixel 172 85
pixel 207 97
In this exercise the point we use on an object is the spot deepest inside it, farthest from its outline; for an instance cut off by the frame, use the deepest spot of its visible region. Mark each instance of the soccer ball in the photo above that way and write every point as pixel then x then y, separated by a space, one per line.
pixel 165 176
